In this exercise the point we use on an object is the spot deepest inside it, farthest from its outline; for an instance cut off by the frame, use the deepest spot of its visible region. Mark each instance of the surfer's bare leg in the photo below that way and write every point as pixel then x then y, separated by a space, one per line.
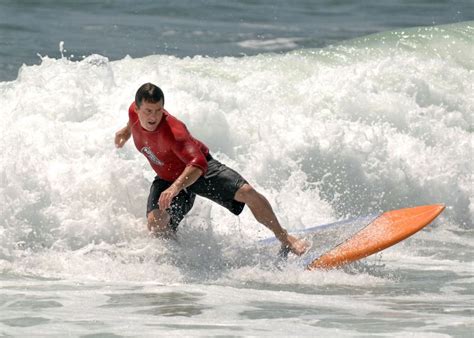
pixel 158 224
pixel 263 213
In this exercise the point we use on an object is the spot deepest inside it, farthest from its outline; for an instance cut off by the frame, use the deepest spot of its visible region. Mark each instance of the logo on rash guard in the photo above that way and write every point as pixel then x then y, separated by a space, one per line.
pixel 152 157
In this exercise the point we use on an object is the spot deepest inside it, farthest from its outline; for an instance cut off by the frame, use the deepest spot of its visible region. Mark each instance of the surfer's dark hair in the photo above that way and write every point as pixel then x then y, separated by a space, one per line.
pixel 150 93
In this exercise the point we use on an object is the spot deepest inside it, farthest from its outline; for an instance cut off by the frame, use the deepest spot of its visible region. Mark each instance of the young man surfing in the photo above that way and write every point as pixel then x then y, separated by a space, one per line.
pixel 185 167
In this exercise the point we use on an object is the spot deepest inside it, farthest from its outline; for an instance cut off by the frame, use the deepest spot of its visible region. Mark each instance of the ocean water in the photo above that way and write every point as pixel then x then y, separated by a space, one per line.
pixel 336 124
pixel 116 28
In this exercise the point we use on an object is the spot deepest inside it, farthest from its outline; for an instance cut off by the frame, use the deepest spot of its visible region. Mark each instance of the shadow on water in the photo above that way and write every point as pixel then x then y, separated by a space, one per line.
pixel 201 255
pixel 101 335
pixel 171 304
pixel 24 321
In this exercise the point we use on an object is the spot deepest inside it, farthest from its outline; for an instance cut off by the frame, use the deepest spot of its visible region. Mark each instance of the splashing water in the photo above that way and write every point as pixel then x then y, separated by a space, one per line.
pixel 378 123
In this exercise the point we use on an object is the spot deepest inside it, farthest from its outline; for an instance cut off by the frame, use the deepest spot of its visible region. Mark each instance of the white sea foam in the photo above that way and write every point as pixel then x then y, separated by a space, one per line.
pixel 271 44
pixel 376 124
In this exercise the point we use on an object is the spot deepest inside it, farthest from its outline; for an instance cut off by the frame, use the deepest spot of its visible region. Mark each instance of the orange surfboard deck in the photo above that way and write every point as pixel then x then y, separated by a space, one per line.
pixel 388 229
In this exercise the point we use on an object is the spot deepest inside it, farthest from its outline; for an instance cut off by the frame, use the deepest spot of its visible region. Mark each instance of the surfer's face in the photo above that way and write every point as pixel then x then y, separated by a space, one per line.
pixel 150 114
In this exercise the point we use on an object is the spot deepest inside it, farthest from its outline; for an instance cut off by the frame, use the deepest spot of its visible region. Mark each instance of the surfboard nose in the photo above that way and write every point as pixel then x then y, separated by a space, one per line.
pixel 435 209
pixel 388 229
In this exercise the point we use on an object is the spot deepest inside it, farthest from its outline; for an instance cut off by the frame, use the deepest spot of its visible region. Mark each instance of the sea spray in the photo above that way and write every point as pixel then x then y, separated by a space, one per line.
pixel 348 130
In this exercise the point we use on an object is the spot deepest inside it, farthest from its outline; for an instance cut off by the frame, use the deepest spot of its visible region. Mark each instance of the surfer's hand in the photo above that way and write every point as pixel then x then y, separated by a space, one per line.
pixel 167 196
pixel 295 245
pixel 122 136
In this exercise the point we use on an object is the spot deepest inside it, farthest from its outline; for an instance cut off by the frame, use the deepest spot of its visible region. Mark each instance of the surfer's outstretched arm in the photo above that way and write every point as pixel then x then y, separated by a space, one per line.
pixel 122 136
pixel 263 213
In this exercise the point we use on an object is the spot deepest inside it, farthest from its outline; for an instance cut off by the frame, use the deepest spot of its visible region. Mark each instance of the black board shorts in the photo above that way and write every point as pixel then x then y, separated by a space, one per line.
pixel 219 184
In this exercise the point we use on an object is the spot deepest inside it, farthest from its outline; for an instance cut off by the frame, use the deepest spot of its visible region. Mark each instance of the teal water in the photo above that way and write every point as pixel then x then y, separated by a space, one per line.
pixel 187 28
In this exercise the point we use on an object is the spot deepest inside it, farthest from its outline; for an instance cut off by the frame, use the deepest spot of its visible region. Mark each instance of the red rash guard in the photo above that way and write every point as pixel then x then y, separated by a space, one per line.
pixel 170 148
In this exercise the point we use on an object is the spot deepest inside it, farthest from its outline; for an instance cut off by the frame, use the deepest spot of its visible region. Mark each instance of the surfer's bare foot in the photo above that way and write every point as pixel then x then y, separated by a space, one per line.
pixel 296 245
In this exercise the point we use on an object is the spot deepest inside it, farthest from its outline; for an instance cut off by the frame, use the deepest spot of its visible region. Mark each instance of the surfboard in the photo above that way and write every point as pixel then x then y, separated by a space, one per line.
pixel 340 243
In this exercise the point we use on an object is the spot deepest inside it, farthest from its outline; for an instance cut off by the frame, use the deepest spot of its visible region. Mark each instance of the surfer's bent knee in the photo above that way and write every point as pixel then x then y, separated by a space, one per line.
pixel 158 220
pixel 245 192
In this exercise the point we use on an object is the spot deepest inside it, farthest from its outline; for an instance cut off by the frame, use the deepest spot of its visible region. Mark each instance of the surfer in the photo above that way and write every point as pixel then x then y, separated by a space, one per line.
pixel 185 167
